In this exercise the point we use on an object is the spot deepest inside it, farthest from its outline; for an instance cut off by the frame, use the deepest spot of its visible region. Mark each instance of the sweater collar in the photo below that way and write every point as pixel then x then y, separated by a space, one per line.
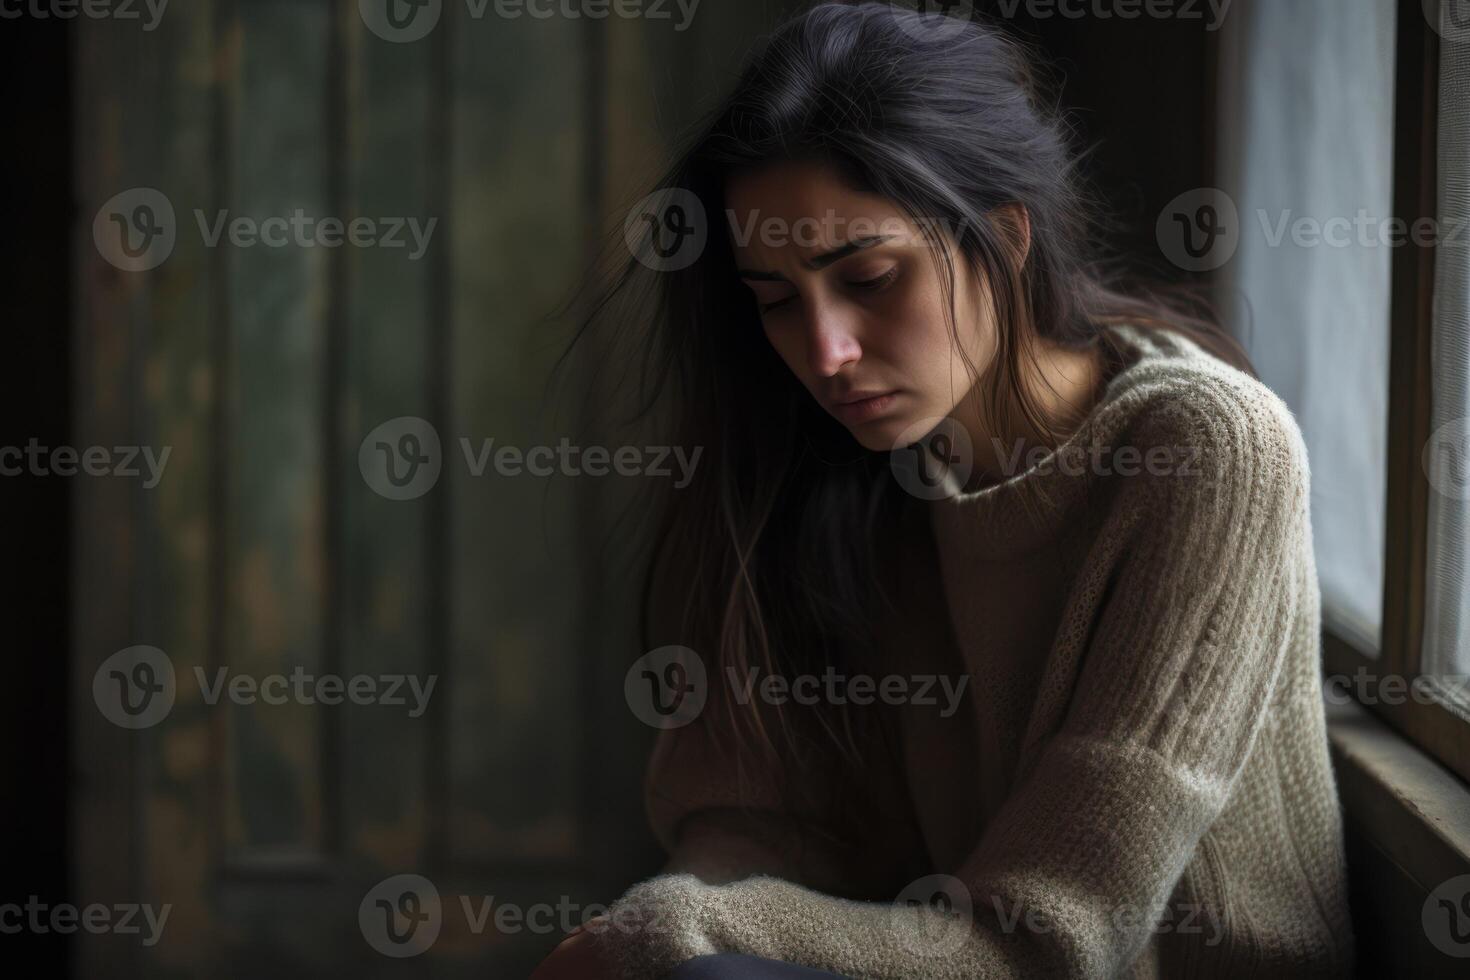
pixel 1029 508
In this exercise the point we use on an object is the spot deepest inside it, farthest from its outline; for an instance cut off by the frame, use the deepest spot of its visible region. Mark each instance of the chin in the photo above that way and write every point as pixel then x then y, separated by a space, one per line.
pixel 880 435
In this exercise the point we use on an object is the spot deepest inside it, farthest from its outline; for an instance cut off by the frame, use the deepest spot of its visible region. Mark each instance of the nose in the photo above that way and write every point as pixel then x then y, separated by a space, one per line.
pixel 832 339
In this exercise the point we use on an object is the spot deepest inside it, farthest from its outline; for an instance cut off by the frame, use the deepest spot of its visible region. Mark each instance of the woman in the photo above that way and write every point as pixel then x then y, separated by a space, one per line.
pixel 1111 570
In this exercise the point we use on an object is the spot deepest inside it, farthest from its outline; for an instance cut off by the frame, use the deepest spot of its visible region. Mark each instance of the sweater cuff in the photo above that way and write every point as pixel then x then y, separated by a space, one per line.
pixel 655 926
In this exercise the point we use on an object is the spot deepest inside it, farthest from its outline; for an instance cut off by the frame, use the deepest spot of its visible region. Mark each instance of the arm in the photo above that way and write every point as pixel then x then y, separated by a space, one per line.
pixel 713 826
pixel 1173 689
pixel 717 837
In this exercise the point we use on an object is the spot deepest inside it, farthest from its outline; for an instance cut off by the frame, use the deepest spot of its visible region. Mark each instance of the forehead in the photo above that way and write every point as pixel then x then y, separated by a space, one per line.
pixel 803 206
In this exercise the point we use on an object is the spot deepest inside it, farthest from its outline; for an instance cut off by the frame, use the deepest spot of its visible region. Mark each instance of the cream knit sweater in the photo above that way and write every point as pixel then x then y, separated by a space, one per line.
pixel 1137 783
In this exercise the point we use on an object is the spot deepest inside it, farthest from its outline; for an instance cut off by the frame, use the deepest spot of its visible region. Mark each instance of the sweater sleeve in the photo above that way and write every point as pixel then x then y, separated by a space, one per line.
pixel 1195 606
pixel 720 825
pixel 720 830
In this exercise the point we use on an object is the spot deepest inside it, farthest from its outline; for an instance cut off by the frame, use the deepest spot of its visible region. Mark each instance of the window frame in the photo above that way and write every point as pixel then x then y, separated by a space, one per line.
pixel 1442 729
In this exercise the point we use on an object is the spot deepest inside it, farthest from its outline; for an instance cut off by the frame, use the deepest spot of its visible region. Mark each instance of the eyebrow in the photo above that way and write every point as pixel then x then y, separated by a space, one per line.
pixel 820 261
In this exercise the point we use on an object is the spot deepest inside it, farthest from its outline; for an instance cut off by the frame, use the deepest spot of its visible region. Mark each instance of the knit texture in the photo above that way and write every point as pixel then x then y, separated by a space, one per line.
pixel 1137 783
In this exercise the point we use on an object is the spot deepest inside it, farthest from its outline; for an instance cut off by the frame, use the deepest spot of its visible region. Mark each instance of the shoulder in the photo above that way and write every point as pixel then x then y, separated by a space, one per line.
pixel 1220 449
pixel 1239 433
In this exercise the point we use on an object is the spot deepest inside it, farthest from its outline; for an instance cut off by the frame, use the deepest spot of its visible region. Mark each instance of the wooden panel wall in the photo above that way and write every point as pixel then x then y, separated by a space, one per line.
pixel 264 550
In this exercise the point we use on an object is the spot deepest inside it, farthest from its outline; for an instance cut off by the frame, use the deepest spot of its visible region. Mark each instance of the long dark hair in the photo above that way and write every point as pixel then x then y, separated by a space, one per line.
pixel 778 539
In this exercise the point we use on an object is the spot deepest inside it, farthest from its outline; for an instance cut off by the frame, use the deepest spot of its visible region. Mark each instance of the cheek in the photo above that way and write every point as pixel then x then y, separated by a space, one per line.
pixel 928 353
pixel 898 318
pixel 914 334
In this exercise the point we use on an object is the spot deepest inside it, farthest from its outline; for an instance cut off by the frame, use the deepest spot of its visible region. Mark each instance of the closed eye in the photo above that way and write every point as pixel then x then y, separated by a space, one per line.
pixel 867 285
pixel 879 282
pixel 764 308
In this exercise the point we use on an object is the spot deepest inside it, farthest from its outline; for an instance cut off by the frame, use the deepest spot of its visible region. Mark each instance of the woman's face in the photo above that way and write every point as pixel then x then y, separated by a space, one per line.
pixel 850 297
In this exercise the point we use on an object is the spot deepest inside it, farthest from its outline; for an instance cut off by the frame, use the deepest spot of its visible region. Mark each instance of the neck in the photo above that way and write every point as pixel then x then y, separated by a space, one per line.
pixel 1064 385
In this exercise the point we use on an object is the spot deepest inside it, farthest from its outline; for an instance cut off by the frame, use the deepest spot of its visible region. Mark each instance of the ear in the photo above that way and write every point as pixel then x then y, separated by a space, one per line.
pixel 1014 222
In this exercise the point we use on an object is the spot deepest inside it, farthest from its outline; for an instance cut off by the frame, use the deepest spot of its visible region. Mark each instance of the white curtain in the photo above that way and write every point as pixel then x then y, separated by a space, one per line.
pixel 1306 104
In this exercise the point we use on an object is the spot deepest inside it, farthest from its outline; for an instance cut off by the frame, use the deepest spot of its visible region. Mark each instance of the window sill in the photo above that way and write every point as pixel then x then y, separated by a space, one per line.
pixel 1412 808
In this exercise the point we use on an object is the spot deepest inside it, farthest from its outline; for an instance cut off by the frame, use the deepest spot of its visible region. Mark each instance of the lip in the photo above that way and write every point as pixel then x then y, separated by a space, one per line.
pixel 865 408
